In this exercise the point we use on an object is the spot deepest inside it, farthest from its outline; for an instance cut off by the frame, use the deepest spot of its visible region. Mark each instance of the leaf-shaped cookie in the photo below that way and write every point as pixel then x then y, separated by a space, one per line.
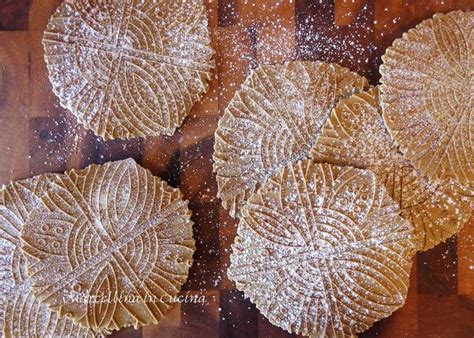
pixel 129 68
pixel 109 246
pixel 322 250
pixel 21 315
pixel 355 135
pixel 428 96
pixel 272 120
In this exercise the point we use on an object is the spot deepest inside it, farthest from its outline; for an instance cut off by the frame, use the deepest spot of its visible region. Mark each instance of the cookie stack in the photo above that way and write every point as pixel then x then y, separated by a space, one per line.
pixel 337 184
pixel 90 251
pixel 94 250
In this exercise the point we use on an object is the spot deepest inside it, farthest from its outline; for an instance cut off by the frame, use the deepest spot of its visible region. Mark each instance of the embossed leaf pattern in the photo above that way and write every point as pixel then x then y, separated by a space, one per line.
pixel 272 120
pixel 427 96
pixel 126 68
pixel 112 232
pixel 437 212
pixel 21 314
pixel 355 135
pixel 322 250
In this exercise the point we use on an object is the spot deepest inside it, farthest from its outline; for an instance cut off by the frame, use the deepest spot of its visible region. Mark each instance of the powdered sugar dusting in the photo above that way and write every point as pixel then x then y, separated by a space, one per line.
pixel 273 120
pixel 21 314
pixel 127 70
pixel 322 249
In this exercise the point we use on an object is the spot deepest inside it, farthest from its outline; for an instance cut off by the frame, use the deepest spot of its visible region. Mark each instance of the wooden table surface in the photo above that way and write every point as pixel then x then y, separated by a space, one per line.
pixel 37 136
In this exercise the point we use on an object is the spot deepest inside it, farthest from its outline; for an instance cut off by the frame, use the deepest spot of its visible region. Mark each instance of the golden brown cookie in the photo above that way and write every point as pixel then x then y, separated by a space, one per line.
pixel 322 250
pixel 109 246
pixel 272 120
pixel 355 135
pixel 129 68
pixel 428 96
pixel 21 315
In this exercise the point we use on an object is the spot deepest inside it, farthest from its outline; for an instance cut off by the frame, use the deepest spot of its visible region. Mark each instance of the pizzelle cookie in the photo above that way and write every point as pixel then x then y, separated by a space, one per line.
pixel 108 246
pixel 355 135
pixel 129 68
pixel 21 314
pixel 322 250
pixel 427 96
pixel 272 120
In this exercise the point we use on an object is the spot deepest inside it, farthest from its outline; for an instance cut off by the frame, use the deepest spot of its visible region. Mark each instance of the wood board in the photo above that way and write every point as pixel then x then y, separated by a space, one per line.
pixel 37 136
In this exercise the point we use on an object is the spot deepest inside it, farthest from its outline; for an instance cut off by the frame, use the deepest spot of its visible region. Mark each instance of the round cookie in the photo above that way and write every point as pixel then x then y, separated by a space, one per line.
pixel 129 68
pixel 355 135
pixel 21 315
pixel 109 246
pixel 428 97
pixel 272 120
pixel 322 250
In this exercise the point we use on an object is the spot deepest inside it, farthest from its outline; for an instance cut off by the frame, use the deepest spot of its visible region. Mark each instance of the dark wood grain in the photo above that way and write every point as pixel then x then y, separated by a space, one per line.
pixel 318 37
pixel 37 135
pixel 14 15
